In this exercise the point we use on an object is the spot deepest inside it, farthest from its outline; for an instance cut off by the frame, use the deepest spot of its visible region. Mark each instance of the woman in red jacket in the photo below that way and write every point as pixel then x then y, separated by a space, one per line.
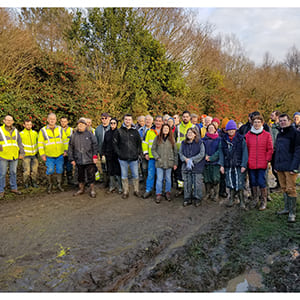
pixel 260 150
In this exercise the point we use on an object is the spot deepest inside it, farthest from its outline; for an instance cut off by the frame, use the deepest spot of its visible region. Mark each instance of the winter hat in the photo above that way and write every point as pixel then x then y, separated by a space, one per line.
pixel 216 120
pixel 231 125
pixel 82 120
pixel 224 122
pixel 172 120
pixel 296 114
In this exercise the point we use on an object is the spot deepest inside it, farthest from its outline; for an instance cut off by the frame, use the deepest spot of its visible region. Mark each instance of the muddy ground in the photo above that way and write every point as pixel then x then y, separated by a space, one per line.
pixel 55 243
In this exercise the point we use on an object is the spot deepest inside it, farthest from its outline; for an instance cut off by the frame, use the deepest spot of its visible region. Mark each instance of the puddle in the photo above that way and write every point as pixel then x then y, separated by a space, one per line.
pixel 243 283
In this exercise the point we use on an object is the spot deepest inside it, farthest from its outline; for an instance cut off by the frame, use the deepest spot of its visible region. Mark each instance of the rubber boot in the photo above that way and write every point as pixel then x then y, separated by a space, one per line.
pixel 59 182
pixel 136 191
pixel 92 190
pixel 50 183
pixel 231 198
pixel 119 184
pixel 242 199
pixel 80 191
pixel 264 199
pixel 255 197
pixel 111 184
pixel 26 182
pixel 292 209
pixel 207 191
pixel 285 210
pixel 125 188
pixel 215 192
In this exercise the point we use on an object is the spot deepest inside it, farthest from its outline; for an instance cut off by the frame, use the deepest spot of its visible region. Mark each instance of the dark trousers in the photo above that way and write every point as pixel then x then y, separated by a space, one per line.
pixel 86 170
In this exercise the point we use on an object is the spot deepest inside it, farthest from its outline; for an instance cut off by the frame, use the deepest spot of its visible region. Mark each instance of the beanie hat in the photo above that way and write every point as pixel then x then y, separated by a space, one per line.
pixel 172 120
pixel 231 125
pixel 215 120
pixel 296 114
pixel 224 122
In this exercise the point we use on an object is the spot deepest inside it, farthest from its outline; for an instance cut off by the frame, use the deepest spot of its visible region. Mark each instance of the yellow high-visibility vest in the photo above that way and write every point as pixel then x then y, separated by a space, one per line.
pixel 29 141
pixel 9 144
pixel 52 143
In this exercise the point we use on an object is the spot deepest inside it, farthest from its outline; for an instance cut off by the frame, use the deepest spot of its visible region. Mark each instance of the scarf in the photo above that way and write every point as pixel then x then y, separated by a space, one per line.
pixel 212 136
pixel 257 131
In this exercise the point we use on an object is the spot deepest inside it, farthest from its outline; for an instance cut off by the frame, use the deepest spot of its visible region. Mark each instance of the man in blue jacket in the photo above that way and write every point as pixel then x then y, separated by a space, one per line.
pixel 287 159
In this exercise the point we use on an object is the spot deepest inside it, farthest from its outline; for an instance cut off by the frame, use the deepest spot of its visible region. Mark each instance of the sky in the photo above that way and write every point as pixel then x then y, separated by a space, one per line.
pixel 260 26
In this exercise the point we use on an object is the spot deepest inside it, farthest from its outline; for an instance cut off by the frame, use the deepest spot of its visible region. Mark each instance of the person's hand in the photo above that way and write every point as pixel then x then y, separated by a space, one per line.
pixel 94 160
pixel 21 156
pixel 44 158
pixel 73 163
pixel 207 158
pixel 175 167
pixel 243 169
pixel 147 156
pixel 222 170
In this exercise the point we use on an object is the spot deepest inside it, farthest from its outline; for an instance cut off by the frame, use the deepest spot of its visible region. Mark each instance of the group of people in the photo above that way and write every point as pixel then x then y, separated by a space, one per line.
pixel 171 151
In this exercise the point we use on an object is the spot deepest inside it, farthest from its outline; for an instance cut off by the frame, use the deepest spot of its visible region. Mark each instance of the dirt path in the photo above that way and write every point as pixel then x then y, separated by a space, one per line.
pixel 61 243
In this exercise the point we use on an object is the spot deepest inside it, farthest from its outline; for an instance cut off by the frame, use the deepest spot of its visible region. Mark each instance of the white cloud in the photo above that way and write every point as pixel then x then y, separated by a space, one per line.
pixel 260 30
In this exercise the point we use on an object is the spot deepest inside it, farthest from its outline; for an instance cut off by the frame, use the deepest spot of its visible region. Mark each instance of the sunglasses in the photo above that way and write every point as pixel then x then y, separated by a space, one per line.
pixel 103 118
pixel 113 122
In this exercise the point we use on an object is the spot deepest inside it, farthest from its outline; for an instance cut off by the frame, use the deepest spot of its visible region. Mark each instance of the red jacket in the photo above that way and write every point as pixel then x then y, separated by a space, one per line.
pixel 260 149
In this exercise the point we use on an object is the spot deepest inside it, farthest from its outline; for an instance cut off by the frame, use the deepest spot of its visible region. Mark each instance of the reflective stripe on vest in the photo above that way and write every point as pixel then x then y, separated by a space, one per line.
pixel 5 140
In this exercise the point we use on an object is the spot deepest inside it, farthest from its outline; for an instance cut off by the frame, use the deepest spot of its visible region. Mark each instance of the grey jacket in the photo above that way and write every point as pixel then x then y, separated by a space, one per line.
pixel 82 147
pixel 100 133
pixel 165 154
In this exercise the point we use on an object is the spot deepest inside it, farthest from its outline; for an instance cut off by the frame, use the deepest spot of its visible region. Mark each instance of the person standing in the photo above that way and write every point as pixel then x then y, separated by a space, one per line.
pixel 53 145
pixel 192 155
pixel 260 150
pixel 176 119
pixel 11 150
pixel 211 173
pixel 128 146
pixel 100 134
pixel 82 153
pixel 111 158
pixel 296 118
pixel 233 162
pixel 30 161
pixel 64 123
pixel 164 152
pixel 146 146
pixel 287 160
pixel 179 135
pixel 207 121
pixel 140 122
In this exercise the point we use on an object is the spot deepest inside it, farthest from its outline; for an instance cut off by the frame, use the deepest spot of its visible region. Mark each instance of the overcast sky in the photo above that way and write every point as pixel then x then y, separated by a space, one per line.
pixel 259 30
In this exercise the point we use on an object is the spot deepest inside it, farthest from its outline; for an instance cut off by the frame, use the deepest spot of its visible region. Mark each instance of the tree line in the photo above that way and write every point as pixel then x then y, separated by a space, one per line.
pixel 77 62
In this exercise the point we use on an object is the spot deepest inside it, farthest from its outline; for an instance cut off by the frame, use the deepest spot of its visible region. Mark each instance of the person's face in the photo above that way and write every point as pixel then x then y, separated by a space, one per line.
pixel 231 132
pixel 64 122
pixel 194 120
pixel 128 121
pixel 105 120
pixel 141 121
pixel 191 135
pixel 207 121
pixel 88 122
pixel 273 117
pixel 170 123
pixel 216 124
pixel 148 121
pixel 113 124
pixel 8 121
pixel 257 124
pixel 81 127
pixel 166 130
pixel 186 118
pixel 297 119
pixel 211 129
pixel 51 120
pixel 28 125
pixel 284 122
pixel 176 119
pixel 158 122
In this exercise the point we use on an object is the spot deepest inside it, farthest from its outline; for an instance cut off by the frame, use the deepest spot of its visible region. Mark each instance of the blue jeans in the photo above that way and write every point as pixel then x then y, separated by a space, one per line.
pixel 133 165
pixel 257 177
pixel 55 162
pixel 161 174
pixel 151 175
pixel 13 164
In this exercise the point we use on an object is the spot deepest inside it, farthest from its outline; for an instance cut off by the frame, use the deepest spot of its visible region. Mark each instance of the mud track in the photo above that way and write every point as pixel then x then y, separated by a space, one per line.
pixel 61 243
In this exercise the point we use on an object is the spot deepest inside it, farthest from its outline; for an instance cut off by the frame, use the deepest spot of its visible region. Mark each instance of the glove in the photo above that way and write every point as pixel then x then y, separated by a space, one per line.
pixel 189 164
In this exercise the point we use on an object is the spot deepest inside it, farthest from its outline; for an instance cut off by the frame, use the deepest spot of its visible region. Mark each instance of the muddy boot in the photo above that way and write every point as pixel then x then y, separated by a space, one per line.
pixel 111 185
pixel 125 188
pixel 50 184
pixel 255 197
pixel 187 202
pixel 119 184
pixel 158 198
pixel 92 190
pixel 26 182
pixel 285 210
pixel 34 184
pixel 207 191
pixel 263 203
pixel 59 182
pixel 215 193
pixel 136 191
pixel 80 191
pixel 231 198
pixel 242 199
pixel 292 209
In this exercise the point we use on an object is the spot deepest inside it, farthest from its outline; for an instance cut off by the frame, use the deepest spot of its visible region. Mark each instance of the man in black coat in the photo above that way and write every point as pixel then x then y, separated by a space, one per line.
pixel 287 159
